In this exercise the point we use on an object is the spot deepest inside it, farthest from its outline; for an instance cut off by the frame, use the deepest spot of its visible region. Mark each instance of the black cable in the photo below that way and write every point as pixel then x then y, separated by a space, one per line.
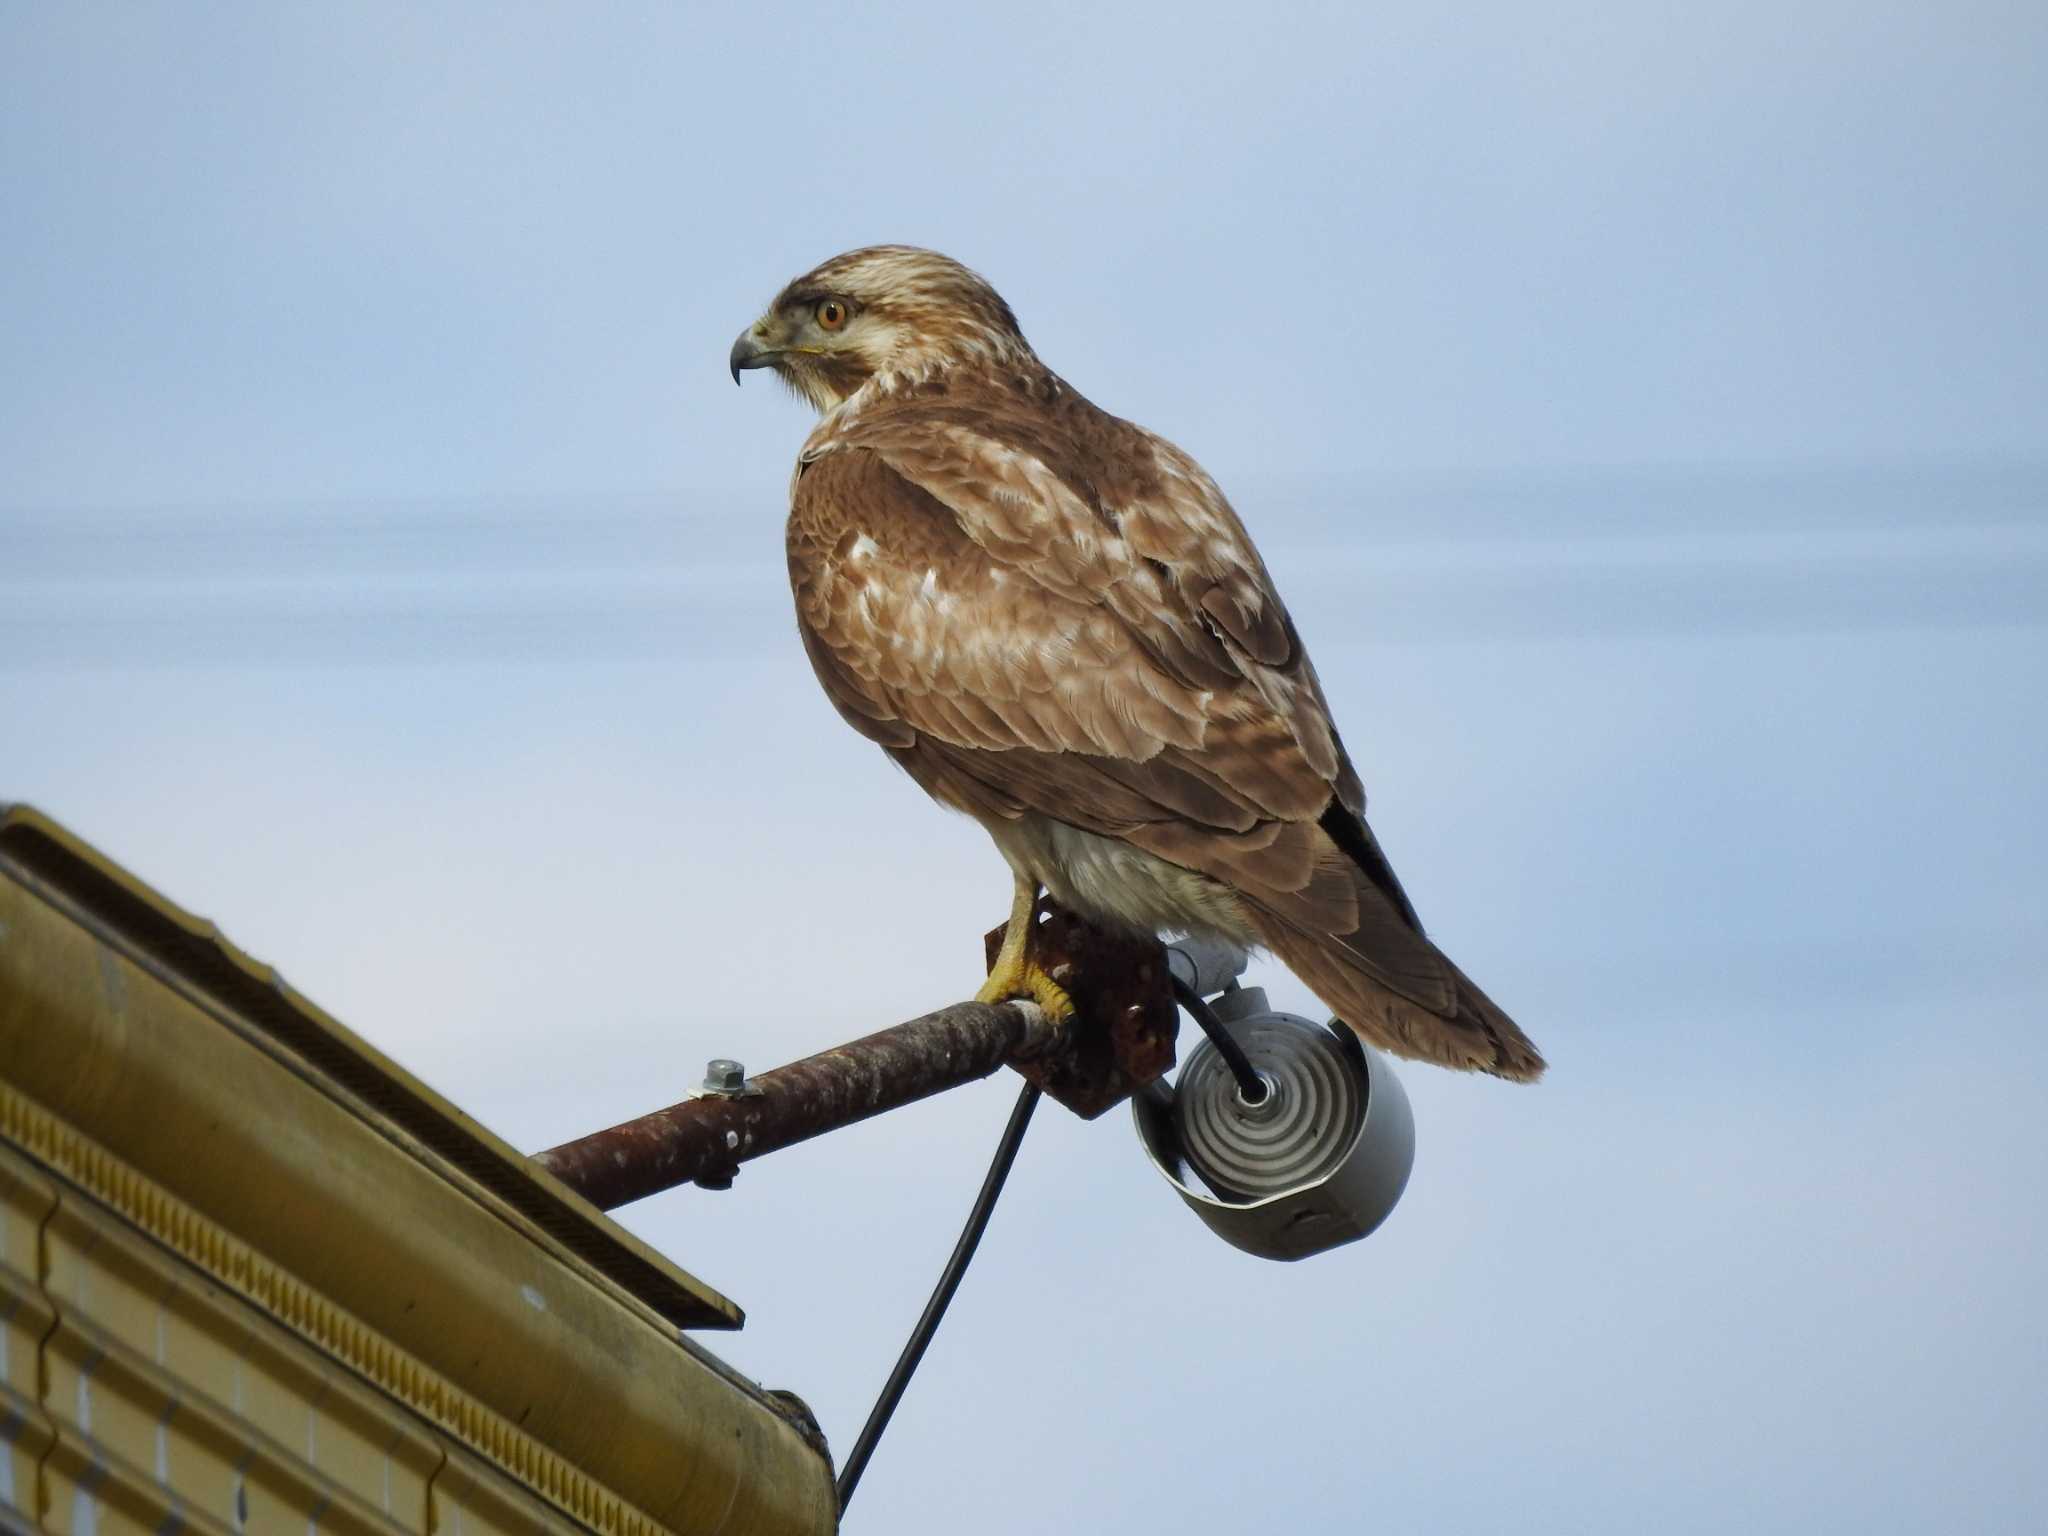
pixel 1249 1084
pixel 942 1293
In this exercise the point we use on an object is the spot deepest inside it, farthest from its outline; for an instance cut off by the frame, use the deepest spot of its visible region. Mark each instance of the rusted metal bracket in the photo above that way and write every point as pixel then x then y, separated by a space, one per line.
pixel 1120 1039
pixel 1122 1034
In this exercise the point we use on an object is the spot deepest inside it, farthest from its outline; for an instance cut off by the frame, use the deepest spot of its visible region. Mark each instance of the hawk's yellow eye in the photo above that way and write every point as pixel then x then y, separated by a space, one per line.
pixel 831 314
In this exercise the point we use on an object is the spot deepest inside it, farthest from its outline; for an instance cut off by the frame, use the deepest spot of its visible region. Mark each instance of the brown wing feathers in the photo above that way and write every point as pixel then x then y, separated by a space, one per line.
pixel 1093 639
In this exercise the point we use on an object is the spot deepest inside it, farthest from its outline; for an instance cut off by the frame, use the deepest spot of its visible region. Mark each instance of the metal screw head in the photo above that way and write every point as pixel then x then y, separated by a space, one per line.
pixel 724 1076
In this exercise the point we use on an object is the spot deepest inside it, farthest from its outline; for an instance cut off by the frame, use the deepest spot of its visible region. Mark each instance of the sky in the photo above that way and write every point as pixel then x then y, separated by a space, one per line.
pixel 1642 410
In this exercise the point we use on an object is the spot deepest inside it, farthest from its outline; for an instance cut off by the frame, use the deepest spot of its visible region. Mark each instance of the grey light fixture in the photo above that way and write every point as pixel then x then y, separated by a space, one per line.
pixel 1318 1162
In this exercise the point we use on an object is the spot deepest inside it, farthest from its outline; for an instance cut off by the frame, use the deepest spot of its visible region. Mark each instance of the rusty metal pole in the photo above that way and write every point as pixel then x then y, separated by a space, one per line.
pixel 705 1139
pixel 1120 1038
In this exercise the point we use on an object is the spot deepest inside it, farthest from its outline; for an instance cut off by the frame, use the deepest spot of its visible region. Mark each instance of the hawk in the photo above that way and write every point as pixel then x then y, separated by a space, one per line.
pixel 1054 622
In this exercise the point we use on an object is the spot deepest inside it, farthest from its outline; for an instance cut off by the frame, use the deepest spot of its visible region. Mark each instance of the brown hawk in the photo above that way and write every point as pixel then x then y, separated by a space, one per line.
pixel 1054 621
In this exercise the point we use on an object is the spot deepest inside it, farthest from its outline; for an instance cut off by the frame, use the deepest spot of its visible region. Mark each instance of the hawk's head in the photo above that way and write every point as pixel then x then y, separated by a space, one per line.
pixel 884 309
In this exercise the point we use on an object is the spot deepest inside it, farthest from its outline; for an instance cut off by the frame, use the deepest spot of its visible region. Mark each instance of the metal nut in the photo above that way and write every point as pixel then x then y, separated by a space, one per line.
pixel 722 1075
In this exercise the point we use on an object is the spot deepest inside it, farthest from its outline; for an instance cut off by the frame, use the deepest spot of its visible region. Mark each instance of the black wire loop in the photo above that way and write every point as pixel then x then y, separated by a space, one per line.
pixel 942 1293
pixel 1249 1084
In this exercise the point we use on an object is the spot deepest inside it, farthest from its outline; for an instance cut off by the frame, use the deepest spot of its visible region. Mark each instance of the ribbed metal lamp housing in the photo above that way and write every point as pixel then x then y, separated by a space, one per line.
pixel 1319 1162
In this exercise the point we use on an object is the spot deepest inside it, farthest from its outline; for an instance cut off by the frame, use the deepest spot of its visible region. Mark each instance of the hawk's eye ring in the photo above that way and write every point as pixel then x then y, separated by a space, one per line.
pixel 831 314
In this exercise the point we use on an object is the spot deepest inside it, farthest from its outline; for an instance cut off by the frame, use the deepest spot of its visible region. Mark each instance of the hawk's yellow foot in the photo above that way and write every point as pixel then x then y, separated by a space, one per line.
pixel 1025 982
pixel 1016 976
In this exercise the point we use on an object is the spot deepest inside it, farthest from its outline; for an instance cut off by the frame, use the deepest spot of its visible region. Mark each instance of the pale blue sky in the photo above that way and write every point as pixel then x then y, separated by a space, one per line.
pixel 1642 408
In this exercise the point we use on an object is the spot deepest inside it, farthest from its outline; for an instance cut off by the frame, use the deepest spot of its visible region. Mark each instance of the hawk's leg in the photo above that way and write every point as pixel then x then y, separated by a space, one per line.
pixel 1015 975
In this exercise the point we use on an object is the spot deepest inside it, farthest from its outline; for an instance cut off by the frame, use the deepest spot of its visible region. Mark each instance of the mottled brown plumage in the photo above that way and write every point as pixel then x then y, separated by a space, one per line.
pixel 1054 621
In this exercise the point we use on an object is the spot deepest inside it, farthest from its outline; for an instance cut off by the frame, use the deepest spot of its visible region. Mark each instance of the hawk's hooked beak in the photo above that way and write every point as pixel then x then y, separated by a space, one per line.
pixel 752 350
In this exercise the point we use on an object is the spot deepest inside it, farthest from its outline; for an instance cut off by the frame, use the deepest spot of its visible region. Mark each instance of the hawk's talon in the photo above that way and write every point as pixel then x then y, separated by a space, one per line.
pixel 1025 982
pixel 1015 975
